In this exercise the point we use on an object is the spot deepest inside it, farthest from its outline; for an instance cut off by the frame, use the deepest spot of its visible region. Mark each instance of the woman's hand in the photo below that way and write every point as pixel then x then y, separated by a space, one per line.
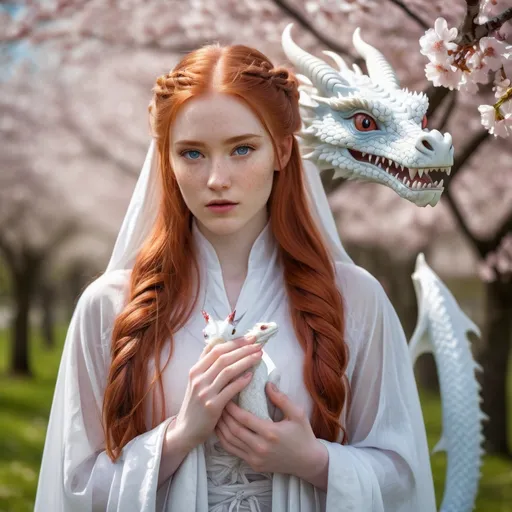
pixel 213 381
pixel 288 446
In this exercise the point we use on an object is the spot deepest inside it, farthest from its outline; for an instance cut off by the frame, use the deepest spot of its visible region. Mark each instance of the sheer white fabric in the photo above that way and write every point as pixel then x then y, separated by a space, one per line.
pixel 384 468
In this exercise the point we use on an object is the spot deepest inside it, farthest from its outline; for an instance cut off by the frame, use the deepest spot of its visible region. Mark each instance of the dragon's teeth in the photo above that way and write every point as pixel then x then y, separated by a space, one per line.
pixel 448 171
pixel 412 173
pixel 370 158
pixel 420 172
pixel 387 169
pixel 441 183
pixel 377 158
pixel 364 154
pixel 401 167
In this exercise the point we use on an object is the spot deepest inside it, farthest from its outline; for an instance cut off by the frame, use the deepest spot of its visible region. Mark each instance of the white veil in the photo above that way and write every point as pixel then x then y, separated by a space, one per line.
pixel 142 210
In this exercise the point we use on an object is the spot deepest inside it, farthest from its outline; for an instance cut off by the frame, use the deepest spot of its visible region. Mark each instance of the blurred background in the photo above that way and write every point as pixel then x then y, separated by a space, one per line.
pixel 76 79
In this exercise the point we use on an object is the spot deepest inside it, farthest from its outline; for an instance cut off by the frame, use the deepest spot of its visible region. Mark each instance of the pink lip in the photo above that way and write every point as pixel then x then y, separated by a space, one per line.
pixel 221 208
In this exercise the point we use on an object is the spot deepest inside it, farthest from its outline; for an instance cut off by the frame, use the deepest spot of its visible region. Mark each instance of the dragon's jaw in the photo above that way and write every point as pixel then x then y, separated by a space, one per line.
pixel 416 184
pixel 420 185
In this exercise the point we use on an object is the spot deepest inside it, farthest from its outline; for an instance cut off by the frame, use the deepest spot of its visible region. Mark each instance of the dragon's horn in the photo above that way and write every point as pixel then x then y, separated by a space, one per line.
pixel 231 317
pixel 324 77
pixel 379 69
pixel 205 315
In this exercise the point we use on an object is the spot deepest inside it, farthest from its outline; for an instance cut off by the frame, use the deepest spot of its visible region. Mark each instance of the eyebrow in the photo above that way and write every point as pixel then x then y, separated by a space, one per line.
pixel 227 141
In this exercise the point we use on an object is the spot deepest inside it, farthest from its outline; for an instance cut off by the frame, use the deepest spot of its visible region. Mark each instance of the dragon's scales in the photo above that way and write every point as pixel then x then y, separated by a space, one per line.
pixel 447 327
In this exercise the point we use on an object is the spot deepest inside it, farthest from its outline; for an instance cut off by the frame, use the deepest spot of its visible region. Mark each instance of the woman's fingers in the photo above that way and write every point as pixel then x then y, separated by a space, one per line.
pixel 213 350
pixel 226 369
pixel 228 392
pixel 231 437
pixel 226 359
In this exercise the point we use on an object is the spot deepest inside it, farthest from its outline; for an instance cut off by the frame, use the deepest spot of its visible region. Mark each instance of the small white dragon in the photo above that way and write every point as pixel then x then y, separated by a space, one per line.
pixel 253 397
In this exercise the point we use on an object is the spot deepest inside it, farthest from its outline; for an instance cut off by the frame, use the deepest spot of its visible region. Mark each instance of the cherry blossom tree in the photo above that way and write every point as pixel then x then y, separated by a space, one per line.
pixel 104 58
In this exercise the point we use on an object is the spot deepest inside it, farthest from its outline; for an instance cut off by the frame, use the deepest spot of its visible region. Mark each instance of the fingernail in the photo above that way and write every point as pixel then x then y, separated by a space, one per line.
pixel 249 338
pixel 274 387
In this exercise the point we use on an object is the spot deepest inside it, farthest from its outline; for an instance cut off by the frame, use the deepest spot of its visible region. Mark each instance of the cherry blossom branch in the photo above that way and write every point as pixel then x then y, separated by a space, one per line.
pixel 467 28
pixel 472 32
pixel 423 24
pixel 494 23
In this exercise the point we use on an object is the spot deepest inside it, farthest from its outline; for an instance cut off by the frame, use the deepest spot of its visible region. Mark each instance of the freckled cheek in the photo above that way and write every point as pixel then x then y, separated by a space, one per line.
pixel 189 184
pixel 256 178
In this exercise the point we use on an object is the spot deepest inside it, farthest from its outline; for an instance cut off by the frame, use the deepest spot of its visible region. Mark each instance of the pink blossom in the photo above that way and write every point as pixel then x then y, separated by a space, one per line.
pixel 500 86
pixel 436 42
pixel 443 76
pixel 491 8
pixel 493 52
pixel 496 127
pixel 503 127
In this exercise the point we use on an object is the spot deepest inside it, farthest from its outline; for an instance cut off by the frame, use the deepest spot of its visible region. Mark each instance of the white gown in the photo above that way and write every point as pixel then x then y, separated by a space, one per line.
pixel 386 466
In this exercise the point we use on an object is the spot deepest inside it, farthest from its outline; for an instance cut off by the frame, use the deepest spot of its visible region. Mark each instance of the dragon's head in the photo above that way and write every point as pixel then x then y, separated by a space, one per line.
pixel 219 329
pixel 263 331
pixel 366 127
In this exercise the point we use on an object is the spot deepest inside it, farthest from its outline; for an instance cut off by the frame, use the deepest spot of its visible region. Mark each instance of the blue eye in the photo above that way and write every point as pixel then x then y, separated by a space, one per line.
pixel 191 151
pixel 242 147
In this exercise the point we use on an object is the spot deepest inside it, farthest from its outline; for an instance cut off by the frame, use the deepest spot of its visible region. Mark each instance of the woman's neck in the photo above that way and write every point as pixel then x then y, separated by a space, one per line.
pixel 233 250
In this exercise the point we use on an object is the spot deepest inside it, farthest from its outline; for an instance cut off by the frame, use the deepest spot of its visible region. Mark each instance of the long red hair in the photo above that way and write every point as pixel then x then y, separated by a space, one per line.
pixel 164 281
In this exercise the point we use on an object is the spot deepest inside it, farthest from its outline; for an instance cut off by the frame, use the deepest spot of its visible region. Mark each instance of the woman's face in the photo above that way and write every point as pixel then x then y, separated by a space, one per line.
pixel 221 152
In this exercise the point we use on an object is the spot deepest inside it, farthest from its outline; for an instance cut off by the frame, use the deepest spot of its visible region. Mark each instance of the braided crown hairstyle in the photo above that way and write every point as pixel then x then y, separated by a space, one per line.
pixel 164 281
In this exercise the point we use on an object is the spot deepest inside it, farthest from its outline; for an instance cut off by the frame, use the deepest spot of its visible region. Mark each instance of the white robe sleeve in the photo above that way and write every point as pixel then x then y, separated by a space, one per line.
pixel 76 473
pixel 386 465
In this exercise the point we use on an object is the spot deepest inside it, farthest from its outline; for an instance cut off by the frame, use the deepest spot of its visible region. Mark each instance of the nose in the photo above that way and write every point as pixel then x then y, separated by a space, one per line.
pixel 436 146
pixel 219 177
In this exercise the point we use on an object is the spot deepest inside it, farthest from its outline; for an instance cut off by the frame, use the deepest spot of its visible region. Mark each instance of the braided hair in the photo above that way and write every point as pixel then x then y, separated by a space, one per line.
pixel 164 280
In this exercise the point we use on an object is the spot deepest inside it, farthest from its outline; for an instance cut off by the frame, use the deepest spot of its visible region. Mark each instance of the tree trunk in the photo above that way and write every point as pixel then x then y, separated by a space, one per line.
pixel 24 289
pixel 493 354
pixel 47 301
pixel 20 327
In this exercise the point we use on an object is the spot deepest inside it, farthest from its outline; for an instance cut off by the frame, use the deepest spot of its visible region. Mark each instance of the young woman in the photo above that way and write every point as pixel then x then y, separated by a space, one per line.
pixel 142 418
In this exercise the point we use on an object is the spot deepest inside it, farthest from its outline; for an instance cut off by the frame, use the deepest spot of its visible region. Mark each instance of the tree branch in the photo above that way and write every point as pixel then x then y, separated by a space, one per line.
pixel 448 112
pixel 435 96
pixel 423 24
pixel 294 13
pixel 473 144
pixel 502 231
pixel 60 236
pixel 466 30
pixel 493 24
pixel 98 150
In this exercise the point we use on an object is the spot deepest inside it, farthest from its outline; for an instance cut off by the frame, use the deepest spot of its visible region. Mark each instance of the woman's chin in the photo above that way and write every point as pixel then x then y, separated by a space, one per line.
pixel 221 225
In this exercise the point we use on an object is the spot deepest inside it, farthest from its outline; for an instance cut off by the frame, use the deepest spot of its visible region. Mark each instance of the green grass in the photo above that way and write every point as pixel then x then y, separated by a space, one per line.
pixel 25 404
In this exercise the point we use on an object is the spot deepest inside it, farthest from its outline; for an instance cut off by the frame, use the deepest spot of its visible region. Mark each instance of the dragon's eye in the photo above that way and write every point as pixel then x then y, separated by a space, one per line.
pixel 205 335
pixel 263 327
pixel 233 332
pixel 364 123
pixel 424 122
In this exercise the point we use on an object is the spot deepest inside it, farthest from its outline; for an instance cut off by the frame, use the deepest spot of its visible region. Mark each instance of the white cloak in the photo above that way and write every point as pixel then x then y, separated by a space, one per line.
pixel 385 466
